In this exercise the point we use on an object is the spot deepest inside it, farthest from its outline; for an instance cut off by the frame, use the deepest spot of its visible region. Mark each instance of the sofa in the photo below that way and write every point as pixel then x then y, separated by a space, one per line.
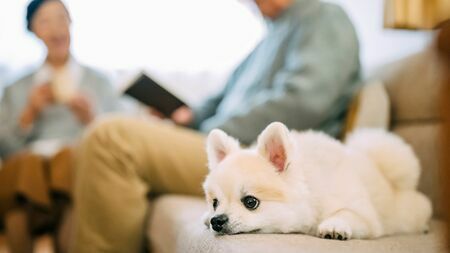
pixel 403 97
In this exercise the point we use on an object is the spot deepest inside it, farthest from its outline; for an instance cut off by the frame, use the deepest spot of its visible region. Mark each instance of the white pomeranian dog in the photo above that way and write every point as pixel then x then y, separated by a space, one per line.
pixel 310 183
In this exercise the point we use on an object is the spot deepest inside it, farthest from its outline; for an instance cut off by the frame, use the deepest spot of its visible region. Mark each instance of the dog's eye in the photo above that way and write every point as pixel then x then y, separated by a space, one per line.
pixel 215 203
pixel 250 202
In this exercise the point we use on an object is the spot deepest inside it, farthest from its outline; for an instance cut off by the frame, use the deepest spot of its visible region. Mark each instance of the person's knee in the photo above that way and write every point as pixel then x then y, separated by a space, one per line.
pixel 104 133
pixel 110 143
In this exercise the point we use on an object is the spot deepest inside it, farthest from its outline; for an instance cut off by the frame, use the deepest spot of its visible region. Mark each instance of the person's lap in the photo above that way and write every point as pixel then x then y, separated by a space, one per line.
pixel 27 204
pixel 23 175
pixel 34 178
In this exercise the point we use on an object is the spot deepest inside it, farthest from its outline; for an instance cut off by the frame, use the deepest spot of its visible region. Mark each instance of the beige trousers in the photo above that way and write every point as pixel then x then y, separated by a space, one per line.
pixel 120 161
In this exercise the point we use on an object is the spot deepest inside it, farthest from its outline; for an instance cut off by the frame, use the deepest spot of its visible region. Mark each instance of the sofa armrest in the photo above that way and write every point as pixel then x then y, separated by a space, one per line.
pixel 370 108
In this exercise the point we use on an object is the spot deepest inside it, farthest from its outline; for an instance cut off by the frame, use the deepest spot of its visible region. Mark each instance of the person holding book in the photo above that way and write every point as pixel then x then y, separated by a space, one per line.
pixel 302 74
pixel 40 115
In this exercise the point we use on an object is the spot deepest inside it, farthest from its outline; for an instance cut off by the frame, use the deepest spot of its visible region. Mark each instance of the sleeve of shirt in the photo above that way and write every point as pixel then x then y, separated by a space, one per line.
pixel 320 66
pixel 12 136
pixel 208 108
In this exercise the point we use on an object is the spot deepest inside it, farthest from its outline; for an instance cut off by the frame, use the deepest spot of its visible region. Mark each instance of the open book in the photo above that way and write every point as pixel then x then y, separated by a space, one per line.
pixel 148 91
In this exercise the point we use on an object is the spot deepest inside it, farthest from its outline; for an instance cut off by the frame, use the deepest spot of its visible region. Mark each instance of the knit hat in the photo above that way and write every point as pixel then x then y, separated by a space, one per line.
pixel 32 9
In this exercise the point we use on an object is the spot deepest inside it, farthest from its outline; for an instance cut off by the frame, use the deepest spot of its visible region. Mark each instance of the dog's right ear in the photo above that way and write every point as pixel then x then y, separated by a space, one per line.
pixel 218 146
pixel 275 145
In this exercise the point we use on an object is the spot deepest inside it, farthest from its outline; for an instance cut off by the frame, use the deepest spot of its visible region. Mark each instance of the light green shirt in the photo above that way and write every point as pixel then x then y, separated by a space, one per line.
pixel 302 74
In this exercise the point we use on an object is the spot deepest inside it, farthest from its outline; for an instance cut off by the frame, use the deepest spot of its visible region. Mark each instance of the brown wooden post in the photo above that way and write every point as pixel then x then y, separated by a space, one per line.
pixel 443 44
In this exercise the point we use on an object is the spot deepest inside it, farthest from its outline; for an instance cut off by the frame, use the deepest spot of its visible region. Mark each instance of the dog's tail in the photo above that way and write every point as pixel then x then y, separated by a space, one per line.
pixel 394 158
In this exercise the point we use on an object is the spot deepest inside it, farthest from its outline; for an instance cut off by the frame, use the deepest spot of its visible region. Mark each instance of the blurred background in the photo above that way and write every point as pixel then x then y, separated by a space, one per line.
pixel 192 47
pixel 189 45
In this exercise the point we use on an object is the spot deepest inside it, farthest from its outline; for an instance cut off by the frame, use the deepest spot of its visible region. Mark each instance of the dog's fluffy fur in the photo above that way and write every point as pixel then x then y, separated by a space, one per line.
pixel 308 182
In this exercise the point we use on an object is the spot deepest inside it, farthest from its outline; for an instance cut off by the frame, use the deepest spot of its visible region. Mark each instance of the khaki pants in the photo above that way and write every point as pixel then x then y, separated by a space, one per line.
pixel 120 161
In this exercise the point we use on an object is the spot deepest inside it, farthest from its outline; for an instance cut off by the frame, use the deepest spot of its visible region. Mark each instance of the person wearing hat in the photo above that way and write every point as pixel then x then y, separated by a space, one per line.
pixel 41 114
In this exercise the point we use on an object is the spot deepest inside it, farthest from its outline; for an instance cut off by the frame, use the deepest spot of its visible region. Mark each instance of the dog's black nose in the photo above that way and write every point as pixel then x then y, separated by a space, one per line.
pixel 218 221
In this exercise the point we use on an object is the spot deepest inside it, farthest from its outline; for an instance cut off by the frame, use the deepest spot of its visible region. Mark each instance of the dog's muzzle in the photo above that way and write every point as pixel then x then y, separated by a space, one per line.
pixel 218 222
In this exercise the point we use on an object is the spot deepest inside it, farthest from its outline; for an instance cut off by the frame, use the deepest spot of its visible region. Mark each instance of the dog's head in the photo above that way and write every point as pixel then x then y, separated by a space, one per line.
pixel 247 189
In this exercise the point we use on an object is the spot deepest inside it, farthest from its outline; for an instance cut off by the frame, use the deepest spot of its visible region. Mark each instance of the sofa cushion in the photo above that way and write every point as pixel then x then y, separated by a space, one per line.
pixel 414 86
pixel 176 226
pixel 425 139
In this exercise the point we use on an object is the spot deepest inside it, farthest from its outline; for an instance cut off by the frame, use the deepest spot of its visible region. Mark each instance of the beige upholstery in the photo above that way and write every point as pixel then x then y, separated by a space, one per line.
pixel 414 86
pixel 371 108
pixel 424 138
pixel 406 102
pixel 176 226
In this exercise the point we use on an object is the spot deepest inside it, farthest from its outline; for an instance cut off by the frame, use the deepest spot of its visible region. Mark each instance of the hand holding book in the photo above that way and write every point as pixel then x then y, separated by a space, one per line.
pixel 182 116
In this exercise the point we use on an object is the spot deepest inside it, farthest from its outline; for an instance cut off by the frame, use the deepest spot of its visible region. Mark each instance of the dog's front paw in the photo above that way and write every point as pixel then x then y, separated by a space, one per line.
pixel 334 228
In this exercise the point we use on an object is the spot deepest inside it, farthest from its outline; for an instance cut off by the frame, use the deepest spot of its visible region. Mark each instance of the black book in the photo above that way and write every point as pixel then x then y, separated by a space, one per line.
pixel 149 92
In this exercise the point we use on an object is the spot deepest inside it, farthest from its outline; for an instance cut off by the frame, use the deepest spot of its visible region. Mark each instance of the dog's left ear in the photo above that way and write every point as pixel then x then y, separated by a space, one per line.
pixel 274 145
pixel 218 146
